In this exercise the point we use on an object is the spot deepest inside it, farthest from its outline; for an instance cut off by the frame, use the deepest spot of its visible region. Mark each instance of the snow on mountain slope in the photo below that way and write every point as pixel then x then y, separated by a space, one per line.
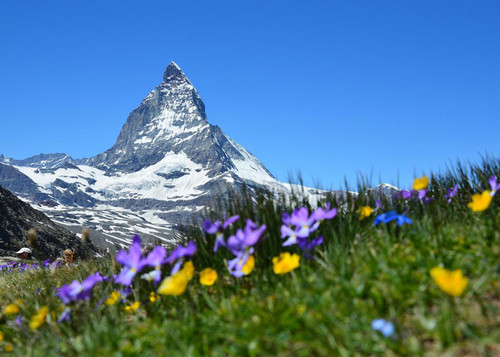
pixel 168 163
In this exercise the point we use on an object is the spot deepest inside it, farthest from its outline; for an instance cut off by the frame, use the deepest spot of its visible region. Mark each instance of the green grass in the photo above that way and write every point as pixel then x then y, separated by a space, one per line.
pixel 323 308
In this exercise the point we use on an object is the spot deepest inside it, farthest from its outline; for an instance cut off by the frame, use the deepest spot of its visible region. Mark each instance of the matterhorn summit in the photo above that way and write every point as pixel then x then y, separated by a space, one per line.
pixel 168 163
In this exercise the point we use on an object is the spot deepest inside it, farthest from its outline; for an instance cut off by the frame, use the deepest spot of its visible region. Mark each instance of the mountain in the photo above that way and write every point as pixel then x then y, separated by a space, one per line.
pixel 167 164
pixel 17 218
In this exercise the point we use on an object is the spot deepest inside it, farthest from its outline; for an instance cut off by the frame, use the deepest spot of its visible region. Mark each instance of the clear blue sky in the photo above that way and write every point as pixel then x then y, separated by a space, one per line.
pixel 330 88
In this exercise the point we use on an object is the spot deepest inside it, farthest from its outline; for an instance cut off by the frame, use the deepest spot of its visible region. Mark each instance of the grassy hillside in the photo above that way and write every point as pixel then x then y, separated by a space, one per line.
pixel 326 306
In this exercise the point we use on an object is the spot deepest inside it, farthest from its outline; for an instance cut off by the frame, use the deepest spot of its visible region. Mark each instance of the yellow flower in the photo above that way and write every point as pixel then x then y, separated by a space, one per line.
pixel 39 318
pixel 364 212
pixel 1 336
pixel 113 298
pixel 480 201
pixel 285 263
pixel 451 282
pixel 11 309
pixel 175 284
pixel 8 347
pixel 208 276
pixel 153 296
pixel 188 270
pixel 249 265
pixel 132 308
pixel 420 183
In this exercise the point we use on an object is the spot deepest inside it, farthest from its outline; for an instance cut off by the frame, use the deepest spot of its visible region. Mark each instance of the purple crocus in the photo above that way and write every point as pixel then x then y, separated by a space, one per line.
pixel 78 291
pixel 132 262
pixel 179 254
pixel 218 229
pixel 452 192
pixel 241 245
pixel 495 186
pixel 155 259
pixel 387 217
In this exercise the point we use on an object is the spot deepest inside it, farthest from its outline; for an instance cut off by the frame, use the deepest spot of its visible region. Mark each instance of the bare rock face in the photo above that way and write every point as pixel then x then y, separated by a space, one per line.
pixel 18 217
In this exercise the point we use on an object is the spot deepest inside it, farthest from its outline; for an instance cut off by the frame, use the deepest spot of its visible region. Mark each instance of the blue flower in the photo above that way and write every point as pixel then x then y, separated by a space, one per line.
pixel 384 326
pixel 392 216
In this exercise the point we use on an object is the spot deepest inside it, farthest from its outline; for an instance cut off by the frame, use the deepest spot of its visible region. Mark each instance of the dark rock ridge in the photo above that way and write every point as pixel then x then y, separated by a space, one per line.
pixel 18 217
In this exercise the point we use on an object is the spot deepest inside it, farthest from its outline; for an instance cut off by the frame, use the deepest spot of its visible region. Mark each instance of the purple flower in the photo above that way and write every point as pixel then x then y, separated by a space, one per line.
pixel 305 222
pixel 243 239
pixel 218 229
pixel 422 197
pixel 320 214
pixel 387 217
pixel 131 261
pixel 46 263
pixel 155 259
pixel 178 255
pixel 384 326
pixel 78 291
pixel 241 245
pixel 452 192
pixel 405 195
pixel 378 204
pixel 292 234
pixel 308 246
pixel 495 186
pixel 65 315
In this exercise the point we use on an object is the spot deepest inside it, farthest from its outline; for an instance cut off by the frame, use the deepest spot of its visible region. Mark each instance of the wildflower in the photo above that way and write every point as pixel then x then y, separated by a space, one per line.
pixel 495 186
pixel 301 220
pixel 307 247
pixel 451 282
pixel 285 263
pixel 292 235
pixel 18 321
pixel 174 285
pixel 1 336
pixel 155 259
pixel 218 229
pixel 132 308
pixel 11 309
pixel 65 315
pixel 39 318
pixel 179 254
pixel 8 347
pixel 113 298
pixel 387 217
pixel 384 326
pixel 378 204
pixel 131 261
pixel 153 296
pixel 188 270
pixel 422 197
pixel 480 201
pixel 452 192
pixel 320 214
pixel 241 245
pixel 364 212
pixel 249 265
pixel 208 276
pixel 420 183
pixel 405 195
pixel 78 291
